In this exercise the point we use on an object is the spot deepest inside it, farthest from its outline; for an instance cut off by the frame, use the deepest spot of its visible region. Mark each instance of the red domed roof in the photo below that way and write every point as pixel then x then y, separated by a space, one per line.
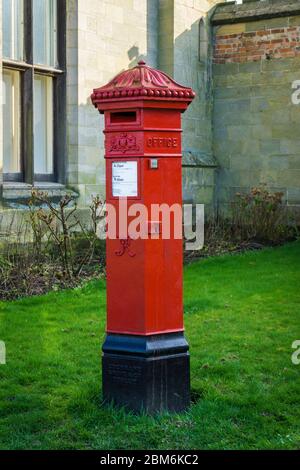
pixel 142 82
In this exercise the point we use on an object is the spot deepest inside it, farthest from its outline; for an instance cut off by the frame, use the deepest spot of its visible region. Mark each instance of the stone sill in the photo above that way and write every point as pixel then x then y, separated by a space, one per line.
pixel 12 193
pixel 227 13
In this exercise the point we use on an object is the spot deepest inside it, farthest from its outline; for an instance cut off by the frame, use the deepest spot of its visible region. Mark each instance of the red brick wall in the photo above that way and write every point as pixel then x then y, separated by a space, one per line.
pixel 274 43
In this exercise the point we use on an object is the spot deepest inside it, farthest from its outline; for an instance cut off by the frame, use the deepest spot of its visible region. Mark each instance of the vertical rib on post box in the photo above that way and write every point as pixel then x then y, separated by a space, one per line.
pixel 145 355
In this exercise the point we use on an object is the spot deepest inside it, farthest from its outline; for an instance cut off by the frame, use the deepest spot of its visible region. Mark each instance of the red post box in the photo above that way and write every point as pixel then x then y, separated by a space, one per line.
pixel 145 360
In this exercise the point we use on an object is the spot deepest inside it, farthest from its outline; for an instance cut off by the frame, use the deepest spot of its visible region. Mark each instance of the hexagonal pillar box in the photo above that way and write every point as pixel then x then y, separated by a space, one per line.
pixel 145 360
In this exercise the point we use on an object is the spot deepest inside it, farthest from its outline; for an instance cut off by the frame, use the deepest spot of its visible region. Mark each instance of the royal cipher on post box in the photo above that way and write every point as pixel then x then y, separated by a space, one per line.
pixel 145 361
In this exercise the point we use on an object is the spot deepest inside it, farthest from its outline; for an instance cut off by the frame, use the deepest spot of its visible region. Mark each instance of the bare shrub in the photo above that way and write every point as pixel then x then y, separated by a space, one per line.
pixel 51 248
pixel 261 216
pixel 258 218
pixel 61 222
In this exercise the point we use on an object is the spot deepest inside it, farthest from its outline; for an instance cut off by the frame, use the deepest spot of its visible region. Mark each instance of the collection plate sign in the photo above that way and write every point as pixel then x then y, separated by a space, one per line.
pixel 124 179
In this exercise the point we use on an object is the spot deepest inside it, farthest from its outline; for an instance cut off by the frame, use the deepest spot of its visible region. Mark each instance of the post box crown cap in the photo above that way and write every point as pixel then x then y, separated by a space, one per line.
pixel 142 82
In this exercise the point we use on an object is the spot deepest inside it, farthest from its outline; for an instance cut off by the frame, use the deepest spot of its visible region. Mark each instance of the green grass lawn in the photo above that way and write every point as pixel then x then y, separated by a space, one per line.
pixel 241 316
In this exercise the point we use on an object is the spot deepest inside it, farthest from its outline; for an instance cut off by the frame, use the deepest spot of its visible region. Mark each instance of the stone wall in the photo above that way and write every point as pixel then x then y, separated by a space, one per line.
pixel 194 69
pixel 256 137
pixel 184 53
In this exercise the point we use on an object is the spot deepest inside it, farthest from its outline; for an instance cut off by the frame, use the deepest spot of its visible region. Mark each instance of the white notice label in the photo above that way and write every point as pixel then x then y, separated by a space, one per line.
pixel 124 179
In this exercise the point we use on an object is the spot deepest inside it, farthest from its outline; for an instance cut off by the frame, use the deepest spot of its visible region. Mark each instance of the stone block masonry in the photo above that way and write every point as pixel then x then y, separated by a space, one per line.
pixel 256 64
pixel 251 46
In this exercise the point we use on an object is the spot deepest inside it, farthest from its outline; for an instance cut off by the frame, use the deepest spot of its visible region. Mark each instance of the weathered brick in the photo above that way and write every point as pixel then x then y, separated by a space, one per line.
pixel 264 43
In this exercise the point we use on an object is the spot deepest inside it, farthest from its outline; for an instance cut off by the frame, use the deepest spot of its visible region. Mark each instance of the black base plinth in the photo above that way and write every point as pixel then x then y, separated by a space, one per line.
pixel 146 373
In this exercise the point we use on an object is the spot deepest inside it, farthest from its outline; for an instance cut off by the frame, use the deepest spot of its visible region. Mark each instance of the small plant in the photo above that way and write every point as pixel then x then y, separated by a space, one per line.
pixel 39 230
